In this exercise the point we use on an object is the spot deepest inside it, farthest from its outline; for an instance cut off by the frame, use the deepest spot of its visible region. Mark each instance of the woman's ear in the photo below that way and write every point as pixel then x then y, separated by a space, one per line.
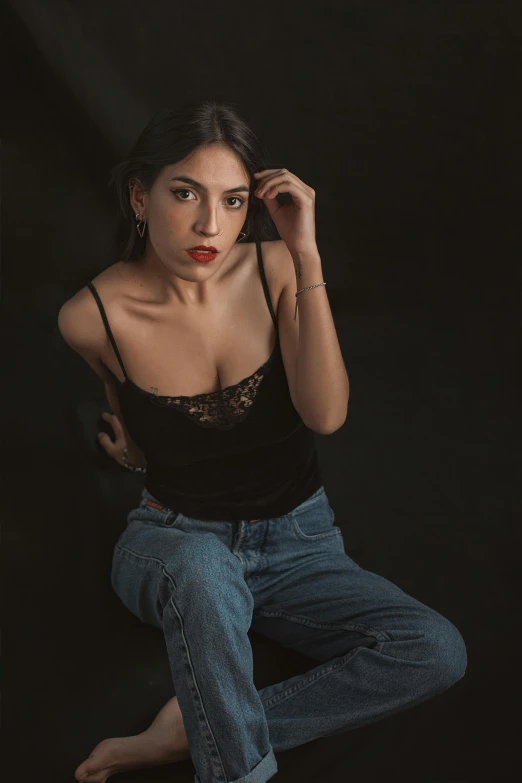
pixel 137 197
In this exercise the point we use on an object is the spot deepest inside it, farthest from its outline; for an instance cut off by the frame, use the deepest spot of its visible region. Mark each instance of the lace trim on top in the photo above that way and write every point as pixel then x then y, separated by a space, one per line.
pixel 223 408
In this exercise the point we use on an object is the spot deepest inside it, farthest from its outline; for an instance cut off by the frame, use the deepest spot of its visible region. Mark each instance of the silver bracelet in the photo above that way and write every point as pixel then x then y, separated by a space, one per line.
pixel 304 289
pixel 128 465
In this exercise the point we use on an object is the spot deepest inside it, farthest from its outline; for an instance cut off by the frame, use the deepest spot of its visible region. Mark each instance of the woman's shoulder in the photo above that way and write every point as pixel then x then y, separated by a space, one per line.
pixel 79 316
pixel 81 327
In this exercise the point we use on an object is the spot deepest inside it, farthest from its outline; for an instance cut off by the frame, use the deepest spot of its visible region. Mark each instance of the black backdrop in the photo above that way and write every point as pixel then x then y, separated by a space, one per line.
pixel 402 117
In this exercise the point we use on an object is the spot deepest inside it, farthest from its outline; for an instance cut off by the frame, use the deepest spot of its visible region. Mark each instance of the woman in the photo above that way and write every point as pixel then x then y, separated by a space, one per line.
pixel 218 384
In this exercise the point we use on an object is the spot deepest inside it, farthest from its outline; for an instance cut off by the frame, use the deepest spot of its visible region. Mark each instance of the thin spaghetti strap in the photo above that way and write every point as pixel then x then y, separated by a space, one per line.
pixel 94 292
pixel 265 284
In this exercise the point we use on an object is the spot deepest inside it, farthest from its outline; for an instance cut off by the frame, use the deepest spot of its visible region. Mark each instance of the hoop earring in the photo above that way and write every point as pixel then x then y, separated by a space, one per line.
pixel 139 220
pixel 244 235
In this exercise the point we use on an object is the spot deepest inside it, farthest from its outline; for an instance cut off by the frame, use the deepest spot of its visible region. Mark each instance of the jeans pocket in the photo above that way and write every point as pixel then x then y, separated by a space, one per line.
pixel 314 519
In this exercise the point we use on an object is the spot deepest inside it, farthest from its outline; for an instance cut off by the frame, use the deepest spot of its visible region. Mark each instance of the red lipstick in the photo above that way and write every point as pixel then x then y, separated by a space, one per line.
pixel 203 253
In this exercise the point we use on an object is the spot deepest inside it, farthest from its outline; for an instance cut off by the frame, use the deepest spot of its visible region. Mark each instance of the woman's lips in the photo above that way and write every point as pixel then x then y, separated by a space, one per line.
pixel 200 255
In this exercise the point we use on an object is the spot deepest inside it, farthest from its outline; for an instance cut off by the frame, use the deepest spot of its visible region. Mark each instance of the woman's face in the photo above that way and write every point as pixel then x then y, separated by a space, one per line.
pixel 181 215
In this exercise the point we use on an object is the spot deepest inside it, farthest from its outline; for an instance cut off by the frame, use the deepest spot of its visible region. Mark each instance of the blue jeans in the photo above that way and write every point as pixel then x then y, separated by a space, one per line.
pixel 206 583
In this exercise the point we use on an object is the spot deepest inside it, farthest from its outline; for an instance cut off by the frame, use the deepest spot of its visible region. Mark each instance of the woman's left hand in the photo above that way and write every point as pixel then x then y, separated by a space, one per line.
pixel 294 221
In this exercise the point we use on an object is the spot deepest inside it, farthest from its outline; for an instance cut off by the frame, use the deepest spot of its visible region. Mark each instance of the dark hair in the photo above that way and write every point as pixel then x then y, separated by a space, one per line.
pixel 169 136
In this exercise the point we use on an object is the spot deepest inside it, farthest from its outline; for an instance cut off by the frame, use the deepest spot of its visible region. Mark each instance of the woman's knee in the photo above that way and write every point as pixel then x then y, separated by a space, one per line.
pixel 445 652
pixel 199 566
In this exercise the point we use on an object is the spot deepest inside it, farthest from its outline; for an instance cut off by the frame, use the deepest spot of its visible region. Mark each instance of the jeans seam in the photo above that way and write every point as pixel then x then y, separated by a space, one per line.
pixel 318 536
pixel 126 552
pixel 194 679
pixel 381 636
pixel 306 682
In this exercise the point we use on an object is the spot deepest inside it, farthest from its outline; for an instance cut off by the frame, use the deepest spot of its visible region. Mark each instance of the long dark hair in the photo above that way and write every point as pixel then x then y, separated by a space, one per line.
pixel 169 136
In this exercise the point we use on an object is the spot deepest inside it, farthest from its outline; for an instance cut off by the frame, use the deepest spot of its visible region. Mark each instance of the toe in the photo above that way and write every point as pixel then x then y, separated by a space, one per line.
pixel 81 773
pixel 93 777
pixel 90 773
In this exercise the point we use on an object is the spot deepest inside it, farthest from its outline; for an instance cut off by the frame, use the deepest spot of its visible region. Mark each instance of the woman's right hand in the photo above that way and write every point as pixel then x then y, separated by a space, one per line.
pixel 114 448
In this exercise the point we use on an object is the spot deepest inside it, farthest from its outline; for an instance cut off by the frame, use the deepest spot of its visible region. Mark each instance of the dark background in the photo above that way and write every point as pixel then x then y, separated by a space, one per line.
pixel 403 116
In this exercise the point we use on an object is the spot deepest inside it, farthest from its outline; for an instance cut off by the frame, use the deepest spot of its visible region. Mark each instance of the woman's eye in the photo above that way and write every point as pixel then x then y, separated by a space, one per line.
pixel 182 191
pixel 233 198
pixel 237 198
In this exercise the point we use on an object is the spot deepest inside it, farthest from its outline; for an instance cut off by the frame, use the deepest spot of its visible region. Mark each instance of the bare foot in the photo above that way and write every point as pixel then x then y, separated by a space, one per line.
pixel 164 742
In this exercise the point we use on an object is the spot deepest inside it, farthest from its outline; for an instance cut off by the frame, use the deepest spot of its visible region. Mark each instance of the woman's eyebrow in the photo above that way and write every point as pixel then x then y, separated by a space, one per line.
pixel 191 181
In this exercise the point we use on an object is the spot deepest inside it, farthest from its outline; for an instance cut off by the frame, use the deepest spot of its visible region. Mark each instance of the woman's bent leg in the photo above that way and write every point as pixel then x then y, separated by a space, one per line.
pixel 193 587
pixel 380 650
